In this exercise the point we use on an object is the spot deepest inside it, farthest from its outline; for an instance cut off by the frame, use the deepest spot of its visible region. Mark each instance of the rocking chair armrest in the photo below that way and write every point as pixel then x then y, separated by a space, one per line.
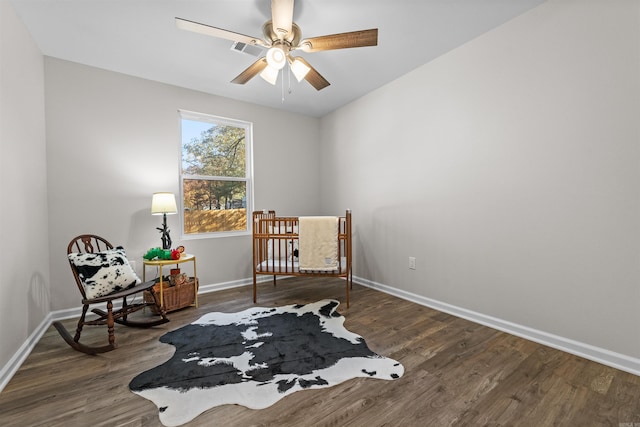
pixel 120 294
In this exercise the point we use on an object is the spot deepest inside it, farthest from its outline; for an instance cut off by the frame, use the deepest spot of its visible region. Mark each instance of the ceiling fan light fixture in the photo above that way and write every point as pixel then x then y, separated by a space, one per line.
pixel 299 69
pixel 270 74
pixel 276 58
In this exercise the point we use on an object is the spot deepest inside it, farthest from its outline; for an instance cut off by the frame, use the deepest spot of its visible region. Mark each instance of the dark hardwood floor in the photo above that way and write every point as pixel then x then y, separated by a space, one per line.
pixel 456 373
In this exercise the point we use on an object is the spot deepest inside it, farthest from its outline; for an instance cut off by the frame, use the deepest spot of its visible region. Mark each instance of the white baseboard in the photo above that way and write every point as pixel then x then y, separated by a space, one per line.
pixel 205 289
pixel 232 284
pixel 8 371
pixel 596 354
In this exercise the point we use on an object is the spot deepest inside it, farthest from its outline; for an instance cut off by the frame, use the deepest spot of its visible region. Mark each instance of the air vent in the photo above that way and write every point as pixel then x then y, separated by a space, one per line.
pixel 246 48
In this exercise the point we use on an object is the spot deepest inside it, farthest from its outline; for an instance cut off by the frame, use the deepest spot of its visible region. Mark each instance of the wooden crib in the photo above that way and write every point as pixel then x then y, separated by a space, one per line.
pixel 275 243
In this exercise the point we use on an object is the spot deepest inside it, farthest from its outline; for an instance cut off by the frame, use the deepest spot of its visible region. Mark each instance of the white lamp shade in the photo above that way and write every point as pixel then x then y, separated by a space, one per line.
pixel 163 203
pixel 299 69
pixel 270 74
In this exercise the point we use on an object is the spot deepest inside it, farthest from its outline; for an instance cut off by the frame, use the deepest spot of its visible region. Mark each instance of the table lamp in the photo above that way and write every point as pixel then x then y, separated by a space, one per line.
pixel 162 204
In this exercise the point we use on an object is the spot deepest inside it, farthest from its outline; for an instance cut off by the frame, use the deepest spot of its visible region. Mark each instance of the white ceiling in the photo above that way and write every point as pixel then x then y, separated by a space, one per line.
pixel 140 38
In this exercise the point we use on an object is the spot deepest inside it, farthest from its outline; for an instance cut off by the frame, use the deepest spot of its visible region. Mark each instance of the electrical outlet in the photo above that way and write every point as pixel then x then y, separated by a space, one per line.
pixel 133 265
pixel 412 263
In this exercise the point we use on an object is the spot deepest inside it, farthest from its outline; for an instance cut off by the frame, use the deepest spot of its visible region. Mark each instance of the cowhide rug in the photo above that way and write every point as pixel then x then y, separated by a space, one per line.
pixel 255 358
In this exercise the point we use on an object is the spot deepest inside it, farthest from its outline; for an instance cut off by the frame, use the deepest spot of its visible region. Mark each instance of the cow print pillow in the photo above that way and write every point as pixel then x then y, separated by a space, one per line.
pixel 102 273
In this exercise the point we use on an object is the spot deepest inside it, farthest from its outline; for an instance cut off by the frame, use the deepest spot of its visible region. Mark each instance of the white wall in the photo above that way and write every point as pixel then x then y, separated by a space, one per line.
pixel 24 262
pixel 113 140
pixel 510 168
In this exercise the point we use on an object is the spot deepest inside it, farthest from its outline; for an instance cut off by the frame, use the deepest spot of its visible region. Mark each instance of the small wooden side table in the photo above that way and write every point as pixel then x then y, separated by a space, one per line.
pixel 163 262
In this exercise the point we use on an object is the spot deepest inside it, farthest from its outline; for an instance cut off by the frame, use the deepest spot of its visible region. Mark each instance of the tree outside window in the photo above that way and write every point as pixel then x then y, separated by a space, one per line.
pixel 215 175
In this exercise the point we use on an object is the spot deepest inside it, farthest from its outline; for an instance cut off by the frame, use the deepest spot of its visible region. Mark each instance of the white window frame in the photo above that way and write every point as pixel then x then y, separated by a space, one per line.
pixel 248 178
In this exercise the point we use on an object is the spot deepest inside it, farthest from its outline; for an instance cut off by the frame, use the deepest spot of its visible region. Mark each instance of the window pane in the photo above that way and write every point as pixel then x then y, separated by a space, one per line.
pixel 213 150
pixel 214 205
pixel 215 175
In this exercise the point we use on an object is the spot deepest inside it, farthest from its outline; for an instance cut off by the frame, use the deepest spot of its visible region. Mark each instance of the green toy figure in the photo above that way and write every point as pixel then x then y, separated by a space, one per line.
pixel 158 253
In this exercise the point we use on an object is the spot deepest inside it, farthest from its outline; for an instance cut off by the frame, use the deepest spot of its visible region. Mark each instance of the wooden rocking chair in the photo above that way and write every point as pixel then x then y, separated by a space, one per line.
pixel 89 244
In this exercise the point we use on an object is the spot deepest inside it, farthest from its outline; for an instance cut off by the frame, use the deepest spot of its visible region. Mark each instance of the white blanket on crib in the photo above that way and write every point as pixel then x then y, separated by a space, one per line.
pixel 318 243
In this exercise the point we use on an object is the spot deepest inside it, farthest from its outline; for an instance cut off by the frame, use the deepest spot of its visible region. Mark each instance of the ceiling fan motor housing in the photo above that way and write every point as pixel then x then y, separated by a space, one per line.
pixel 292 38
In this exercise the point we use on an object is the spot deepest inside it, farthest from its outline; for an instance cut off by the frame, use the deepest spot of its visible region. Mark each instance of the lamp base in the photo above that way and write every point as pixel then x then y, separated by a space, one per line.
pixel 164 232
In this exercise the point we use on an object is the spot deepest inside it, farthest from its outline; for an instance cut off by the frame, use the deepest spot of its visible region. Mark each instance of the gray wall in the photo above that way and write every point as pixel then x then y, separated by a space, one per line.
pixel 510 168
pixel 113 140
pixel 24 262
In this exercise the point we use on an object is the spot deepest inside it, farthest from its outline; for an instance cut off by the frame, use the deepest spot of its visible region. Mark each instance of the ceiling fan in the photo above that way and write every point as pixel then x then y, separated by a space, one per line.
pixel 281 37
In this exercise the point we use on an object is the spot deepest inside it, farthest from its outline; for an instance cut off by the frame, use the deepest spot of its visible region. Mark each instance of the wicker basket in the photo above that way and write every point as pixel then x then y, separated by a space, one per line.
pixel 174 297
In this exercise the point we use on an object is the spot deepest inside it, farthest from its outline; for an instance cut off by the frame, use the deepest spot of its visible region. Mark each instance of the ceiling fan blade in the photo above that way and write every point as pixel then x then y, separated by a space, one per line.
pixel 282 17
pixel 208 30
pixel 340 41
pixel 313 77
pixel 252 71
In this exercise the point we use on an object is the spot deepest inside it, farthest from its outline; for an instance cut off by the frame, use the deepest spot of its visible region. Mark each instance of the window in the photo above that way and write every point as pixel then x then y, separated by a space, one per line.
pixel 215 175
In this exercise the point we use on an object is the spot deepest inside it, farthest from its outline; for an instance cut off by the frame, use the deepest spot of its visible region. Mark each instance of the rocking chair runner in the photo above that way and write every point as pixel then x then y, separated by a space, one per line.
pixel 90 244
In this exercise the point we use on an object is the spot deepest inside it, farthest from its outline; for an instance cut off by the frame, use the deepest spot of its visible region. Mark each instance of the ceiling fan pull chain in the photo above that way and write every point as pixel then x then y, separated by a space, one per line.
pixel 283 88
